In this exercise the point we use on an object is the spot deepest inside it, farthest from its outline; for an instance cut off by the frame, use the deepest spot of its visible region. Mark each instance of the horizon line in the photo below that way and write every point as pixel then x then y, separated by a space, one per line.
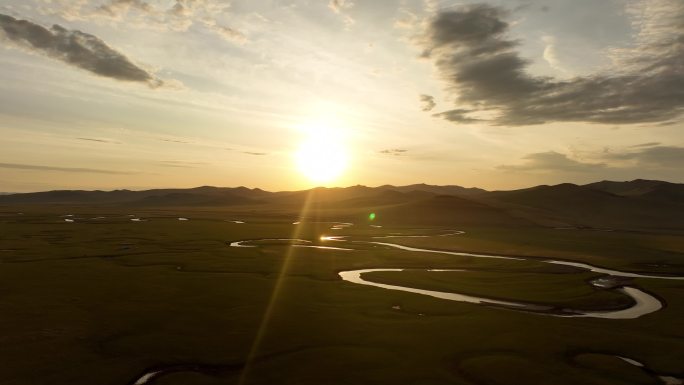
pixel 330 187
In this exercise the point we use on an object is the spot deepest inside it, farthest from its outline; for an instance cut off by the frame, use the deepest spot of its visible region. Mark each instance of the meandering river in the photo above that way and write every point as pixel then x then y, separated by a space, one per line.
pixel 643 302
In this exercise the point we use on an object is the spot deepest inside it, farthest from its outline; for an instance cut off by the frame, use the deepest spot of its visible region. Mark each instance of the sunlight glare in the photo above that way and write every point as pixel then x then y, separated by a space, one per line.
pixel 322 156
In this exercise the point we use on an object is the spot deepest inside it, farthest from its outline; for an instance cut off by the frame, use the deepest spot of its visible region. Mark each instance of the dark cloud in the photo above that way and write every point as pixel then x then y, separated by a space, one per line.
pixel 481 66
pixel 428 102
pixel 76 48
pixel 551 161
pixel 62 169
pixel 472 24
pixel 255 153
pixel 394 151
pixel 659 156
pixel 637 158
pixel 457 116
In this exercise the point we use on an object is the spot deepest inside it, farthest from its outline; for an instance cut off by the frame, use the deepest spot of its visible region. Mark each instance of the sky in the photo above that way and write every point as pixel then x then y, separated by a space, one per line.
pixel 110 94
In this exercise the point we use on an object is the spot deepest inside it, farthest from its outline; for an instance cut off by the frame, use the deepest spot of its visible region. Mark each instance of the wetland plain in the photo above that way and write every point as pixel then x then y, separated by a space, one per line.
pixel 246 296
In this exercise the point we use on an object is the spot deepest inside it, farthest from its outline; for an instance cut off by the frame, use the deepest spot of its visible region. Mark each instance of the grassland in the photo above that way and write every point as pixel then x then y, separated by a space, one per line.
pixel 102 301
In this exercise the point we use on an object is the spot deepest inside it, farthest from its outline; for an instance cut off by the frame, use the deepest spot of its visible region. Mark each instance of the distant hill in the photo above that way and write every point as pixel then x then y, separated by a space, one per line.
pixel 448 210
pixel 587 206
pixel 200 195
pixel 629 188
pixel 550 196
pixel 653 190
pixel 378 198
pixel 637 204
pixel 195 199
pixel 440 190
pixel 321 195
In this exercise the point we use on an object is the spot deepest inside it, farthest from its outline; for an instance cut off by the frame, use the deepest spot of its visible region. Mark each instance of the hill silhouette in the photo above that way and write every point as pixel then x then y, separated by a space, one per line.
pixel 653 190
pixel 586 206
pixel 635 205
pixel 449 210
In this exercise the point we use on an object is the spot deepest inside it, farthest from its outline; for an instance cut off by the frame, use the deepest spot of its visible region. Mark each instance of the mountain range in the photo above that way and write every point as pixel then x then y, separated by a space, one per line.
pixel 635 205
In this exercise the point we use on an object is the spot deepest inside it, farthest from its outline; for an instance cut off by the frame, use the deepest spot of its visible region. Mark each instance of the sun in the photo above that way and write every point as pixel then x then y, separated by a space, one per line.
pixel 322 157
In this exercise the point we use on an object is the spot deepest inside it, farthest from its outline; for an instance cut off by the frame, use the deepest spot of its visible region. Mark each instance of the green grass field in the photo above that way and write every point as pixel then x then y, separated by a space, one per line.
pixel 104 301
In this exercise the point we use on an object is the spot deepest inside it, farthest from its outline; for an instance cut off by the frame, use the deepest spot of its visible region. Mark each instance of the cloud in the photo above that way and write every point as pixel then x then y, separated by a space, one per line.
pixel 551 55
pixel 428 102
pixel 551 161
pixel 658 156
pixel 254 153
pixel 177 15
pixel 407 20
pixel 649 144
pixel 185 13
pixel 66 9
pixel 182 8
pixel 457 116
pixel 481 67
pixel 175 141
pixel 99 140
pixel 340 7
pixel 230 34
pixel 394 151
pixel 226 33
pixel 636 158
pixel 118 8
pixel 180 164
pixel 75 48
pixel 62 169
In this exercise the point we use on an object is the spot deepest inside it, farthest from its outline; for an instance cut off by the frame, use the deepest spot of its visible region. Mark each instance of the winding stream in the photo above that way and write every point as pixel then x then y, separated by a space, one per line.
pixel 667 380
pixel 644 303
